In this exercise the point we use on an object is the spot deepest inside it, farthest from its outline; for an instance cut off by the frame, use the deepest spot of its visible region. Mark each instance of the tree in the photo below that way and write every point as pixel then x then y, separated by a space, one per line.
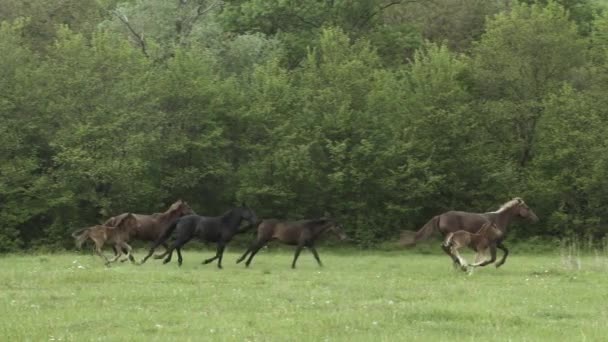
pixel 525 54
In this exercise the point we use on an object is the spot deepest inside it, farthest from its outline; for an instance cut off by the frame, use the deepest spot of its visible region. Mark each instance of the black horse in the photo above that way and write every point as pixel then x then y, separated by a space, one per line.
pixel 218 229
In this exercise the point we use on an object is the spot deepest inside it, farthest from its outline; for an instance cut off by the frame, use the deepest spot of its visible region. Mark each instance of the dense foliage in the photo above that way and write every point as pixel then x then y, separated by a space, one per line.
pixel 379 113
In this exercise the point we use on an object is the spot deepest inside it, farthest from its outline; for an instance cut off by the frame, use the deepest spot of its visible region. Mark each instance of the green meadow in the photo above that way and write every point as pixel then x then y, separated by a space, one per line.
pixel 356 296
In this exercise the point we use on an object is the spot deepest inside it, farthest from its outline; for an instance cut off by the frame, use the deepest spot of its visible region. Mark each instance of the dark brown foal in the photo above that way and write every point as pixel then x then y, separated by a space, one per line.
pixel 302 234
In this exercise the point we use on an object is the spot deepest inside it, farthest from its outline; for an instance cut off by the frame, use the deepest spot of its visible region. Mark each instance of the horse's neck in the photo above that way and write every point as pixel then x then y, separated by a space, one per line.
pixel 167 216
pixel 231 220
pixel 503 219
pixel 318 230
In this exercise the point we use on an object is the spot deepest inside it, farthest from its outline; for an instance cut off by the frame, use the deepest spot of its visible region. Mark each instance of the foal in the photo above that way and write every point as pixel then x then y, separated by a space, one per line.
pixel 118 236
pixel 299 233
pixel 482 241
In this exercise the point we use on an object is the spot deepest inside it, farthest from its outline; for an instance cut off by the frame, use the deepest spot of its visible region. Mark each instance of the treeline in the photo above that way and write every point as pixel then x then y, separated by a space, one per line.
pixel 379 113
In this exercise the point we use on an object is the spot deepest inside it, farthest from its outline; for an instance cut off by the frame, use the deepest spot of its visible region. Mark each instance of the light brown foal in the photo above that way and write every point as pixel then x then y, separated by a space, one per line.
pixel 481 242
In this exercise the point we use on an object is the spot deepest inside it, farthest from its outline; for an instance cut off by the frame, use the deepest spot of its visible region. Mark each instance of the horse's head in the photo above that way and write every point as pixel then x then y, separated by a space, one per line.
pixel 128 222
pixel 337 229
pixel 248 214
pixel 181 208
pixel 524 211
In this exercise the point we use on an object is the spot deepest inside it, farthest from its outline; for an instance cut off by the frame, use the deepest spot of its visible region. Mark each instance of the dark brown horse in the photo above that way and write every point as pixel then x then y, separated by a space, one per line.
pixel 296 233
pixel 452 221
pixel 118 236
pixel 481 242
pixel 151 227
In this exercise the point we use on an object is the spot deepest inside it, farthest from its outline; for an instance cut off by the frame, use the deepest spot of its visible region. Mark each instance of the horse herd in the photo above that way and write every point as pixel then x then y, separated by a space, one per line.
pixel 482 232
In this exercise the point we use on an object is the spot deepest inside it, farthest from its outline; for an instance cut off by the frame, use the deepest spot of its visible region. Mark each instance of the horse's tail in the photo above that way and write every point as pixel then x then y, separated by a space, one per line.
pixel 81 235
pixel 410 239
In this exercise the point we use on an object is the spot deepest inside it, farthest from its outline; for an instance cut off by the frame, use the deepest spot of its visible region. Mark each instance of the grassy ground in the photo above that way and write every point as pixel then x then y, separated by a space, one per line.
pixel 357 296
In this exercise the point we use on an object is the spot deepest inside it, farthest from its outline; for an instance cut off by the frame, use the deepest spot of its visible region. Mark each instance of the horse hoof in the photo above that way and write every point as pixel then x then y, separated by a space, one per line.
pixel 166 261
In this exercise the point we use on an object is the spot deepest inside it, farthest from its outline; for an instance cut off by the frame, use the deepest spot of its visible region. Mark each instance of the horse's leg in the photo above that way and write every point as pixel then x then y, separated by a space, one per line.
pixel 153 248
pixel 128 248
pixel 480 257
pixel 179 256
pixel 151 251
pixel 504 256
pixel 492 256
pixel 169 254
pixel 221 255
pixel 161 255
pixel 296 255
pixel 218 254
pixel 316 255
pixel 115 250
pixel 249 249
pixel 115 258
pixel 254 250
pixel 455 261
pixel 98 247
pixel 463 263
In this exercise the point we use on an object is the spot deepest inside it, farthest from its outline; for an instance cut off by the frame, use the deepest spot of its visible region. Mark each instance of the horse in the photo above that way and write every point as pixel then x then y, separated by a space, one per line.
pixel 151 227
pixel 480 242
pixel 452 221
pixel 302 234
pixel 118 236
pixel 219 229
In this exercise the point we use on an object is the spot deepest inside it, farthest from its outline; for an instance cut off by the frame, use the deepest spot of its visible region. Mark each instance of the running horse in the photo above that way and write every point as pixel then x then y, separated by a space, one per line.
pixel 301 234
pixel 118 236
pixel 152 227
pixel 481 242
pixel 453 221
pixel 219 229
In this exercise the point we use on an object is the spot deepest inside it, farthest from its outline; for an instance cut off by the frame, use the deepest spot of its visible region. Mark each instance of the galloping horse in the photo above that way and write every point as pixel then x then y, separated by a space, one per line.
pixel 118 236
pixel 452 221
pixel 480 242
pixel 299 233
pixel 218 229
pixel 152 227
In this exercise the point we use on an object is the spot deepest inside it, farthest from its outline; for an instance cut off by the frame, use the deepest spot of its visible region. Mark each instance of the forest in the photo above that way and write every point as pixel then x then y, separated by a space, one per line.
pixel 380 113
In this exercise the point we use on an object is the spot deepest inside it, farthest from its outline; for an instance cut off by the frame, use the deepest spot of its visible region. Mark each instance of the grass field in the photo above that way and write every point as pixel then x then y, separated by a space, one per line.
pixel 357 296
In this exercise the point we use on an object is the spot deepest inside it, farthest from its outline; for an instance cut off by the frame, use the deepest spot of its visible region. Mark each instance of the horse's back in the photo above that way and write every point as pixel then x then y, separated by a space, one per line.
pixel 285 231
pixel 453 221
pixel 204 227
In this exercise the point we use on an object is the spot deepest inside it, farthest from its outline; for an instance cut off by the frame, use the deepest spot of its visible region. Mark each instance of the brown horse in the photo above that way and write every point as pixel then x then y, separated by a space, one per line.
pixel 452 221
pixel 296 233
pixel 152 227
pixel 481 242
pixel 101 234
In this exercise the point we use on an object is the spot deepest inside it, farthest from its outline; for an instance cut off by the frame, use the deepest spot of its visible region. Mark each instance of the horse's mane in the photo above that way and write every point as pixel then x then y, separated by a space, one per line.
pixel 317 221
pixel 510 204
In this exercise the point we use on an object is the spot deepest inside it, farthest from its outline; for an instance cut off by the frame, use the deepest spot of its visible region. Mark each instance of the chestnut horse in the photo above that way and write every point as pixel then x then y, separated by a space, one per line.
pixel 481 242
pixel 453 221
pixel 296 233
pixel 152 227
pixel 118 236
